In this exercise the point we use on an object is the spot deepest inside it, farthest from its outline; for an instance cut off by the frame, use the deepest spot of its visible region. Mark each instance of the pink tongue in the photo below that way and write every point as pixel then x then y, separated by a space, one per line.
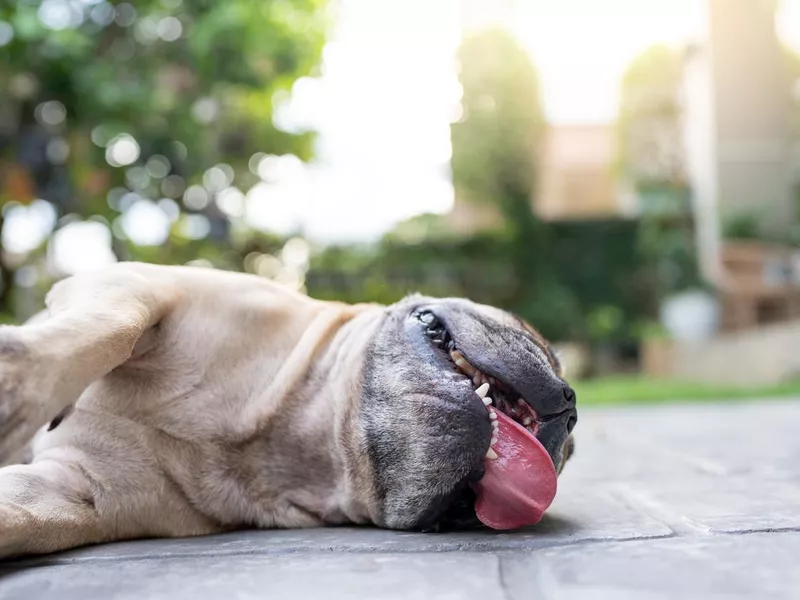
pixel 520 484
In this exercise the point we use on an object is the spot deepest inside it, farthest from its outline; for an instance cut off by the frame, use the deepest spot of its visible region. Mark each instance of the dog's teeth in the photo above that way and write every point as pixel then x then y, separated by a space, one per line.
pixel 476 380
pixel 494 440
pixel 492 415
pixel 495 426
pixel 521 402
pixel 465 366
pixel 483 390
pixel 487 401
pixel 462 363
pixel 491 454
pixel 527 421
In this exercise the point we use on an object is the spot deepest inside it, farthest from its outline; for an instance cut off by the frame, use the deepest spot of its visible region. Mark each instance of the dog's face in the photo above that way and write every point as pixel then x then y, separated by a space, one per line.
pixel 444 457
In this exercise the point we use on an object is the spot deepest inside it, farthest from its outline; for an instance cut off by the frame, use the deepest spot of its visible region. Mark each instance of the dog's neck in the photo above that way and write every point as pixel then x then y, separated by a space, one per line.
pixel 338 386
pixel 314 423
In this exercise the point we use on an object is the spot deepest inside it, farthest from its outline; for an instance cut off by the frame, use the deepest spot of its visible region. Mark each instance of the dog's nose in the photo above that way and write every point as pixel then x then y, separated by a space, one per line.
pixel 554 432
pixel 569 395
pixel 558 399
pixel 573 419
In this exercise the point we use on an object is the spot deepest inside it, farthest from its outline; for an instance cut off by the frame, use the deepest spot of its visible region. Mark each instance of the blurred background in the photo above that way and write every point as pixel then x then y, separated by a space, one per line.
pixel 622 173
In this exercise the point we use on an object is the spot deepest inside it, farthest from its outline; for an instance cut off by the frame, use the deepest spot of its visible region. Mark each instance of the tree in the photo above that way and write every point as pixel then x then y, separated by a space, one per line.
pixel 793 69
pixel 496 147
pixel 649 122
pixel 106 104
pixel 496 141
pixel 651 161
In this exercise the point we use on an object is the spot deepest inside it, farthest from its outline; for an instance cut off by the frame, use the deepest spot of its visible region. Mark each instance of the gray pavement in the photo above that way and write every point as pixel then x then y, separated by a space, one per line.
pixel 693 501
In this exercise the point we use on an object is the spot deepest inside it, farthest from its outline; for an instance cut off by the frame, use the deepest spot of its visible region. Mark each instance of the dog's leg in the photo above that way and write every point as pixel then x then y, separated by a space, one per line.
pixel 70 499
pixel 92 491
pixel 92 325
pixel 46 507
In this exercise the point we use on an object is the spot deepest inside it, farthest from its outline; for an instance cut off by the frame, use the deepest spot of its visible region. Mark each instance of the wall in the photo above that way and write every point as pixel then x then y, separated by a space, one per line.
pixel 764 356
pixel 752 104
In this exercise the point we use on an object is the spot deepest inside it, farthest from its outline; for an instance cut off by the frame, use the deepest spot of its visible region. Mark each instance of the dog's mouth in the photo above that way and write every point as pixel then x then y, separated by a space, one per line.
pixel 520 479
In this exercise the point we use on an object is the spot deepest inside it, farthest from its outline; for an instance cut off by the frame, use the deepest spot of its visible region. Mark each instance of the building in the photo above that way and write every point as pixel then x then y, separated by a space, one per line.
pixel 737 134
pixel 738 124
pixel 577 178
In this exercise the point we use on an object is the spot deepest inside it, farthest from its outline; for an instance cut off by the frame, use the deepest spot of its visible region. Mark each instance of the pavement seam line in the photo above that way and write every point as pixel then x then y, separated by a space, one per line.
pixel 501 579
pixel 67 562
pixel 645 504
pixel 523 546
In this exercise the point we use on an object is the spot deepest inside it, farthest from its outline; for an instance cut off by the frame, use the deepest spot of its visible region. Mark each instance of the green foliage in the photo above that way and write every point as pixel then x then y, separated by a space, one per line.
pixel 495 142
pixel 420 228
pixel 604 321
pixel 626 389
pixel 495 150
pixel 741 227
pixel 587 294
pixel 192 81
pixel 650 160
pixel 746 225
pixel 648 124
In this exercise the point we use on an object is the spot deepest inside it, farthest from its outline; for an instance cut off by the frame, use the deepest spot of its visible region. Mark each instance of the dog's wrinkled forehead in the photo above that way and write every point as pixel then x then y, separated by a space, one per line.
pixel 497 318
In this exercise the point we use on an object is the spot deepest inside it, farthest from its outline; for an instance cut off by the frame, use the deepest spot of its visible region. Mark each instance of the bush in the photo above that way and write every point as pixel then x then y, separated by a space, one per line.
pixel 586 281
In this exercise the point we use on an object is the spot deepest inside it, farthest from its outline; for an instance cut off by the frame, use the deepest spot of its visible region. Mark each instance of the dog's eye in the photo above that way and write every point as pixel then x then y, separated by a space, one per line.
pixel 434 329
pixel 428 318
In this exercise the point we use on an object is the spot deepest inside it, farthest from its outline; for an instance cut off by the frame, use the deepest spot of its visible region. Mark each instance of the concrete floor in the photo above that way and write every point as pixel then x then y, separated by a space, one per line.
pixel 694 501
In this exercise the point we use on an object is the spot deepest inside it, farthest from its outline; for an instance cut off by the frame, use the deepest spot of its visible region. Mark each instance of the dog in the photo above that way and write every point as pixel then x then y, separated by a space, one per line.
pixel 162 401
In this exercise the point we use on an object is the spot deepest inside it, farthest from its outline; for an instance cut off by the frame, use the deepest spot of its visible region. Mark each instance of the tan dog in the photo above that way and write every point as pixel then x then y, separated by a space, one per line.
pixel 177 401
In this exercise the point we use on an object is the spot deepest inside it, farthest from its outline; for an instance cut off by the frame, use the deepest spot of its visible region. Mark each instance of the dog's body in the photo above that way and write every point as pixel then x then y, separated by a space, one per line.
pixel 176 401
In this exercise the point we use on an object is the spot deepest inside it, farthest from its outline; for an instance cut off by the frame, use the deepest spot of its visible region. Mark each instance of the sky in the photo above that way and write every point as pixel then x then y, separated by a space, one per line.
pixel 582 47
pixel 383 106
pixel 387 94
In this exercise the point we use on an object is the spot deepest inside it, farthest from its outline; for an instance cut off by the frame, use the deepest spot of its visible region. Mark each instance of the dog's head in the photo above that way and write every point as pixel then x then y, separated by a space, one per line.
pixel 442 455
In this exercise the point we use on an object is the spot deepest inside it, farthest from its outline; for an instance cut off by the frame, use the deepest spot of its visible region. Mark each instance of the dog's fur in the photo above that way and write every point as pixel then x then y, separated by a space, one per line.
pixel 178 401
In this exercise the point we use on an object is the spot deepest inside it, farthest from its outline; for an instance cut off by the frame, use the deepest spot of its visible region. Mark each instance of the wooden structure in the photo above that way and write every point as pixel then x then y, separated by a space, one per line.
pixel 759 285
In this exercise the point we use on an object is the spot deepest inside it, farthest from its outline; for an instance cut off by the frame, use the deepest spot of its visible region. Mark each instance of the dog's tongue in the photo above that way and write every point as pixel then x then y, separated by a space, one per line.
pixel 520 484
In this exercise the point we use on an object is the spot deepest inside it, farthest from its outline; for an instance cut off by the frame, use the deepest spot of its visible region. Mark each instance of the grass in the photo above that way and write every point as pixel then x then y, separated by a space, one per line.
pixel 7 319
pixel 631 389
